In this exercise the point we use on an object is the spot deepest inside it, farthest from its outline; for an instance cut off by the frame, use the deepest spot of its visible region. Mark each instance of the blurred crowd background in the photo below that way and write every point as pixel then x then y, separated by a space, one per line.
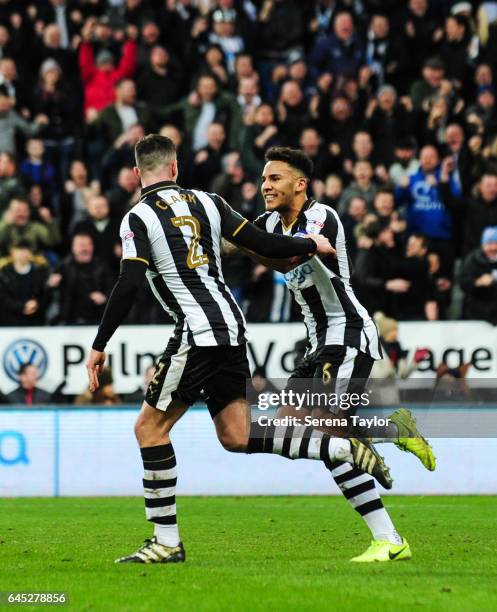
pixel 394 101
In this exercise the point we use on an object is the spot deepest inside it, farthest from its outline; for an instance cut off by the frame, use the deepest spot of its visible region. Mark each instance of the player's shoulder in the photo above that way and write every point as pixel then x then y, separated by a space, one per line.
pixel 140 213
pixel 268 220
pixel 320 214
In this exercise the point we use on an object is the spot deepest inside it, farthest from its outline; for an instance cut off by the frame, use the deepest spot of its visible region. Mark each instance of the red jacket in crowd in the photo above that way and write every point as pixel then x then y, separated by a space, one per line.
pixel 99 84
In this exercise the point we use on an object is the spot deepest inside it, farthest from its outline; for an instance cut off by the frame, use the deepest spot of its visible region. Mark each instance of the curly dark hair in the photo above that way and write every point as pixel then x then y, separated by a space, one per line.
pixel 293 157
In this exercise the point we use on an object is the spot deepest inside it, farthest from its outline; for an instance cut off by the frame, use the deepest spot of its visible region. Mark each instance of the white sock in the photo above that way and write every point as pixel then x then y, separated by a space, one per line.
pixel 340 450
pixel 381 526
pixel 168 535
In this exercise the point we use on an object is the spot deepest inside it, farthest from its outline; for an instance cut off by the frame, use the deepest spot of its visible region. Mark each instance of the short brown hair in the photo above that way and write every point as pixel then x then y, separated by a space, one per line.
pixel 153 151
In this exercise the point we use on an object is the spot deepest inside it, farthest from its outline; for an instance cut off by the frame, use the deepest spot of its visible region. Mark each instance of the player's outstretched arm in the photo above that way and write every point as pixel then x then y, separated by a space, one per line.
pixel 228 249
pixel 119 304
pixel 277 246
pixel 276 262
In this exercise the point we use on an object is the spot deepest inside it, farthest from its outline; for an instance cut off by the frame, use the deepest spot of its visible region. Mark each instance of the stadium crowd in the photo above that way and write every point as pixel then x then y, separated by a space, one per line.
pixel 395 102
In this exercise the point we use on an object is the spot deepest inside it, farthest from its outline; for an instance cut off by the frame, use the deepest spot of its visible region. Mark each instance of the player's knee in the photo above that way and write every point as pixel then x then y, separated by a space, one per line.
pixel 151 427
pixel 233 441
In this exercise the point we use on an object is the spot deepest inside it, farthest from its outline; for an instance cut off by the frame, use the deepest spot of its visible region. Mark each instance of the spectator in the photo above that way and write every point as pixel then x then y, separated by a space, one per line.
pixel 356 211
pixel 340 53
pixel 77 191
pixel 478 279
pixel 172 132
pixel 229 183
pixel 84 282
pixel 298 71
pixel 465 166
pixel 362 150
pixel 244 69
pixel 119 117
pixel 51 48
pixel 429 86
pixel 150 38
pixel 223 34
pixel 17 225
pixel 120 155
pixel 261 386
pixel 387 121
pixel 203 106
pixel 207 162
pixel 426 212
pixel 292 112
pixel 12 184
pixel 55 100
pixel 395 364
pixel 38 171
pixel 14 88
pixel 161 81
pixel 24 289
pixel 180 19
pixel 257 136
pixel 103 229
pixel 417 302
pixel 419 33
pixel 125 194
pixel 333 189
pixel 483 112
pixel 479 212
pixel 59 11
pixel 406 163
pixel 383 55
pixel 324 162
pixel 214 64
pixel 28 393
pixel 362 186
pixel 376 270
pixel 336 124
pixel 248 95
pixel 100 74
pixel 103 396
pixel 280 30
pixel 454 50
pixel 11 123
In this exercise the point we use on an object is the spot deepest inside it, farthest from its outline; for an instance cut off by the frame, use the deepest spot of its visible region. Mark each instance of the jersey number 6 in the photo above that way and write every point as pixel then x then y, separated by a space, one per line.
pixel 194 259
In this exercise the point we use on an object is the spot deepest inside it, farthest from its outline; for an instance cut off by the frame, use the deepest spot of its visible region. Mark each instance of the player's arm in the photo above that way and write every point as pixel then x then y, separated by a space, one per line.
pixel 136 253
pixel 236 229
pixel 229 249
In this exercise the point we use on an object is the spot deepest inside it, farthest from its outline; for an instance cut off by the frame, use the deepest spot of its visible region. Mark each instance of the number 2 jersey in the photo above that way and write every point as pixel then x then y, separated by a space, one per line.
pixel 332 313
pixel 173 236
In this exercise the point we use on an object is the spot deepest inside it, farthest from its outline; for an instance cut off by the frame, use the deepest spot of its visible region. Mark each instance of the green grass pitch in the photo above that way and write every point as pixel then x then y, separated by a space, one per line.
pixel 251 554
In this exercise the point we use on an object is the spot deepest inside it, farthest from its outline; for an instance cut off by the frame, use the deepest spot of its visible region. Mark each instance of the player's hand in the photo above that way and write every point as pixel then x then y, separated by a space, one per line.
pixel 94 366
pixel 324 247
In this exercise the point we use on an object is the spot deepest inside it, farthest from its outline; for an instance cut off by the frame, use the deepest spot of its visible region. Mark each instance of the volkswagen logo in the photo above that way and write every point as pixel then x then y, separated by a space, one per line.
pixel 21 352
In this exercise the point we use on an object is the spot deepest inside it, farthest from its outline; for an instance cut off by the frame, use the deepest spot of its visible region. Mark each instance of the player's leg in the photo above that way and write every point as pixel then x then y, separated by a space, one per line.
pixel 293 441
pixel 158 415
pixel 357 487
pixel 226 390
pixel 350 376
pixel 344 370
pixel 152 431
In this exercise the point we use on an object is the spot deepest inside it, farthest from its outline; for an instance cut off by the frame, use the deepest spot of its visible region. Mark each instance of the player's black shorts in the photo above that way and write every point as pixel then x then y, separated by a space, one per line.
pixel 184 371
pixel 333 369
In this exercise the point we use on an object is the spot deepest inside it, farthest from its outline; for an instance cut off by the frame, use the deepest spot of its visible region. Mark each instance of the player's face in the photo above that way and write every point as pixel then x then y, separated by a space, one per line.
pixel 280 185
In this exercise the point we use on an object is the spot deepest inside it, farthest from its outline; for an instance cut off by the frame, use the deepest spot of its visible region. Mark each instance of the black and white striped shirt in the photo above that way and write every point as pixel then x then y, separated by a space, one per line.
pixel 177 232
pixel 332 313
pixel 173 236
